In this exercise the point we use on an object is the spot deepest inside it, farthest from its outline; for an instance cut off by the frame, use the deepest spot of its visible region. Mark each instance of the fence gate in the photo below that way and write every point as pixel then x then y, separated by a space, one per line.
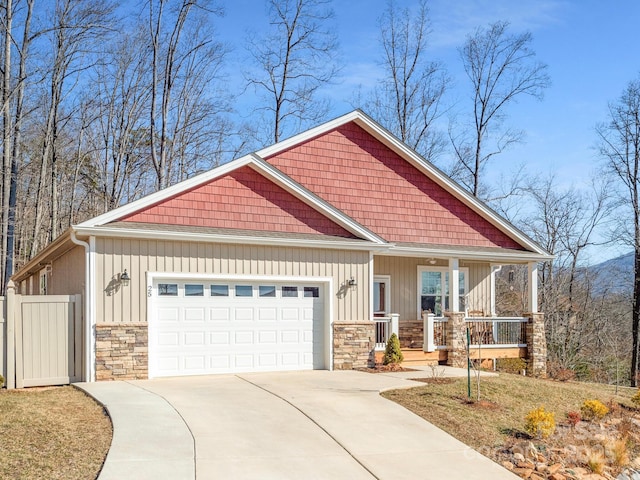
pixel 46 344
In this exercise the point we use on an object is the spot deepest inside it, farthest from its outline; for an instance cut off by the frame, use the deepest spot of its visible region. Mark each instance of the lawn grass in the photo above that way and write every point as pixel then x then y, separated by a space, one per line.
pixel 53 433
pixel 506 400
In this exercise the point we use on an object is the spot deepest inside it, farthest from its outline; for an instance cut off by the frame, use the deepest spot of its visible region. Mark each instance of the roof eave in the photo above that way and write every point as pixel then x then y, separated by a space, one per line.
pixel 229 239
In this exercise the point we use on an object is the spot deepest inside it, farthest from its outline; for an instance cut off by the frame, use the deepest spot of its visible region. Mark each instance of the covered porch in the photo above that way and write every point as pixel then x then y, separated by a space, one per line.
pixel 431 302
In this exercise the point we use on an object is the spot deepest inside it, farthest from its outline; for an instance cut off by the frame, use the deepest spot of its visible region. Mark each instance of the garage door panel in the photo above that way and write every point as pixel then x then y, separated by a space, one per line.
pixel 225 333
pixel 194 314
pixel 243 314
pixel 267 337
pixel 194 338
pixel 168 339
pixel 168 314
pixel 245 338
pixel 219 338
pixel 220 314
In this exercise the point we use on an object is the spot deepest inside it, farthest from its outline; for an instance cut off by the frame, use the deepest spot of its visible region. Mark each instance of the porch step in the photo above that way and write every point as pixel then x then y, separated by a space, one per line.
pixel 417 357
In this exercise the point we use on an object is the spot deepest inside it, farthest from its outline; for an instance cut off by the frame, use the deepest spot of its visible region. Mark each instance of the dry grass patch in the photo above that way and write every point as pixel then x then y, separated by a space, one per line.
pixel 53 433
pixel 495 425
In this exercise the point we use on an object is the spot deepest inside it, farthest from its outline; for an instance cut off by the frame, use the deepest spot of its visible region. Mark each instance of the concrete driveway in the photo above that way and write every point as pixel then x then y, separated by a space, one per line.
pixel 299 425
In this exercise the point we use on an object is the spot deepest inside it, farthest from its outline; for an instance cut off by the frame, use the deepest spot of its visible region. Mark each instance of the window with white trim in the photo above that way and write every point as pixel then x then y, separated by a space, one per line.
pixel 433 289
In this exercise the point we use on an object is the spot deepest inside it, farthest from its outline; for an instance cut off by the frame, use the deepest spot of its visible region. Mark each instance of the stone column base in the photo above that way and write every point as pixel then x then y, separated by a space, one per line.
pixel 122 351
pixel 353 345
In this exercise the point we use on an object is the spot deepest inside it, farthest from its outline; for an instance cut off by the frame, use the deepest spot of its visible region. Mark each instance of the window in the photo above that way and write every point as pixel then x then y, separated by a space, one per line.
pixel 290 292
pixel 191 290
pixel 433 289
pixel 267 291
pixel 219 290
pixel 244 291
pixel 168 289
pixel 312 292
pixel 43 282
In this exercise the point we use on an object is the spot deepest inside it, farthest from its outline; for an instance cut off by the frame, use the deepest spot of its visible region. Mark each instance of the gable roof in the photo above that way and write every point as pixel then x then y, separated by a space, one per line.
pixel 325 206
pixel 436 175
pixel 256 164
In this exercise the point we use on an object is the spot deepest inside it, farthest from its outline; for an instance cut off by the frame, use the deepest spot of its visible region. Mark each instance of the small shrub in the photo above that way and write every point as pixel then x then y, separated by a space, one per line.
pixel 560 373
pixel 1 381
pixel 619 452
pixel 593 410
pixel 596 462
pixel 393 353
pixel 511 365
pixel 573 418
pixel 539 423
pixel 636 399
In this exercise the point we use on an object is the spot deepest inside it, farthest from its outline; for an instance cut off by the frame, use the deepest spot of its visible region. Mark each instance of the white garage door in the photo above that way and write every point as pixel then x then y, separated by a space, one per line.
pixel 199 327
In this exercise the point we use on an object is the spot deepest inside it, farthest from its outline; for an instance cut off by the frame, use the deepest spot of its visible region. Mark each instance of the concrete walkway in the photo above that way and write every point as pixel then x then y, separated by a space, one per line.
pixel 298 425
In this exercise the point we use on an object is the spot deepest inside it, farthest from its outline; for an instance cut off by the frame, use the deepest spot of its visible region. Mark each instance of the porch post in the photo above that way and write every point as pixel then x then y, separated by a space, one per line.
pixel 454 285
pixel 536 345
pixel 533 287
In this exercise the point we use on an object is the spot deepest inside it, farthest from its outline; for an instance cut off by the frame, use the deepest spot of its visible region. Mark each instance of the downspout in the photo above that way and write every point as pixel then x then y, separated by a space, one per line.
pixel 89 248
pixel 494 269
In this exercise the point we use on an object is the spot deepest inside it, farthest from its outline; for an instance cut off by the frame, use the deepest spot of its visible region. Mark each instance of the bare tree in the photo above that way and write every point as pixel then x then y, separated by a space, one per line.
pixel 184 61
pixel 408 101
pixel 501 68
pixel 77 24
pixel 12 96
pixel 619 146
pixel 293 61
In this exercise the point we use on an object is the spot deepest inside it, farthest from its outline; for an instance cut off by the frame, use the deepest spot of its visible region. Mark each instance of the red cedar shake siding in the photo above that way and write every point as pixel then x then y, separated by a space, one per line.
pixel 242 199
pixel 356 173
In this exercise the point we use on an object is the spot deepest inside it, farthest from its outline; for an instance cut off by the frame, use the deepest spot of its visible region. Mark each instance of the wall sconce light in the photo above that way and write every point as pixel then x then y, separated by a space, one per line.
pixel 352 282
pixel 124 278
pixel 432 261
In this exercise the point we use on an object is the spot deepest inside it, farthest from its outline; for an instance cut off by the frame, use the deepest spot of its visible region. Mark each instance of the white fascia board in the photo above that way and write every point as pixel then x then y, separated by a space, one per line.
pixel 445 253
pixel 165 193
pixel 315 202
pixel 230 239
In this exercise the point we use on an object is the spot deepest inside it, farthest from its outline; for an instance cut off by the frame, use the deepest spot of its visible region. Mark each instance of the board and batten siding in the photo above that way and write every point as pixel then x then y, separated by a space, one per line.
pixel 66 276
pixel 117 304
pixel 404 287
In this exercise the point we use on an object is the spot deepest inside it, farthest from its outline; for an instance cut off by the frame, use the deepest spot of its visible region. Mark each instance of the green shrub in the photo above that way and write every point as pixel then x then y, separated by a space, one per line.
pixel 392 353
pixel 593 410
pixel 539 423
pixel 511 365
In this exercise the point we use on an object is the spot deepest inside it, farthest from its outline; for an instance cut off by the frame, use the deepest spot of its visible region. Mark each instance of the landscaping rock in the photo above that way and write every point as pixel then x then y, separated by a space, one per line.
pixel 508 465
pixel 518 457
pixel 523 472
pixel 552 469
pixel 557 476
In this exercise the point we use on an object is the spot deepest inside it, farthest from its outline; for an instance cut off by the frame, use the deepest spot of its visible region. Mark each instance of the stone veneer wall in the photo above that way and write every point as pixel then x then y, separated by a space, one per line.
pixel 353 345
pixel 411 333
pixel 456 341
pixel 536 345
pixel 122 351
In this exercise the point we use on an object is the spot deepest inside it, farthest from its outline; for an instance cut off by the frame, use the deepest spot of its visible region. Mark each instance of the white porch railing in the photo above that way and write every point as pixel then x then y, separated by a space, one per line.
pixel 435 332
pixel 498 332
pixel 489 332
pixel 385 326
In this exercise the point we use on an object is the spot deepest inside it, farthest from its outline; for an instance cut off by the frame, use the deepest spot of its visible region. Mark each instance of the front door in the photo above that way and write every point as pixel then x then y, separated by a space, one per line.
pixel 381 295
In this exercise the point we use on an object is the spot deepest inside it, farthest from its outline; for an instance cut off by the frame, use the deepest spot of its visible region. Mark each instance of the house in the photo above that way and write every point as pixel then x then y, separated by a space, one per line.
pixel 303 255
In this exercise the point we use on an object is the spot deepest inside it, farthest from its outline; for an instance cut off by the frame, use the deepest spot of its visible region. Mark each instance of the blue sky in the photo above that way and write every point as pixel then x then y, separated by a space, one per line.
pixel 591 48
